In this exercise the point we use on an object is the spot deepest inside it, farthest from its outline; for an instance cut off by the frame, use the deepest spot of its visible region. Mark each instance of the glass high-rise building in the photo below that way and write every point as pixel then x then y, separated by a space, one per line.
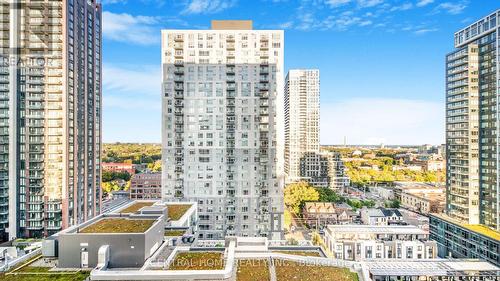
pixel 470 227
pixel 50 115
pixel 221 133
pixel 472 124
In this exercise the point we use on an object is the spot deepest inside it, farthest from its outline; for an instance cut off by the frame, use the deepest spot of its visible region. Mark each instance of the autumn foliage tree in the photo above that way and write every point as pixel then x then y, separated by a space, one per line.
pixel 296 194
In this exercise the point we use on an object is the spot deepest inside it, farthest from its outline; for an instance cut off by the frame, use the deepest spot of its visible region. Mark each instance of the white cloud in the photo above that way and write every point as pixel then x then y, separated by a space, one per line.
pixel 451 8
pixel 131 99
pixel 208 6
pixel 382 120
pixel 137 81
pixel 424 30
pixel 337 3
pixel 403 7
pixel 423 3
pixel 286 25
pixel 369 3
pixel 365 23
pixel 132 29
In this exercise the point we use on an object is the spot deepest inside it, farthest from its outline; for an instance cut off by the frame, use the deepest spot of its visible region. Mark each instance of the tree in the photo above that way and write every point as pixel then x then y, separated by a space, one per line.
pixel 107 187
pixel 111 176
pixel 392 203
pixel 328 195
pixel 155 166
pixel 298 193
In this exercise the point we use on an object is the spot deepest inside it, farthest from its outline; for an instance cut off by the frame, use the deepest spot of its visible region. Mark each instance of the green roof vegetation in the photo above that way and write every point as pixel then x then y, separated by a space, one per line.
pixel 119 225
pixel 136 207
pixel 174 232
pixel 198 261
pixel 252 269
pixel 300 253
pixel 288 270
pixel 175 212
pixel 27 272
pixel 52 276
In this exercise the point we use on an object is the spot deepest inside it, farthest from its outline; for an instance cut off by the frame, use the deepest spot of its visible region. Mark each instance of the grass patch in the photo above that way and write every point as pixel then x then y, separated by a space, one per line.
pixel 288 270
pixel 136 207
pixel 118 225
pixel 23 276
pixel 175 212
pixel 251 270
pixel 174 232
pixel 300 253
pixel 197 261
pixel 34 269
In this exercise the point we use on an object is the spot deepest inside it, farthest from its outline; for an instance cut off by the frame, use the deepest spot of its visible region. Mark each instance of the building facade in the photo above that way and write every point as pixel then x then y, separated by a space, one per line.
pixel 221 133
pixel 323 169
pixel 381 216
pixel 327 213
pixel 301 119
pixel 458 240
pixel 470 227
pixel 145 186
pixel 119 167
pixel 423 203
pixel 50 115
pixel 472 124
pixel 361 242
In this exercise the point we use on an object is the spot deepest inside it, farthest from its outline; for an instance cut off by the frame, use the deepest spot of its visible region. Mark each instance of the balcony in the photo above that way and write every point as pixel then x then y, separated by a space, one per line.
pixel 179 70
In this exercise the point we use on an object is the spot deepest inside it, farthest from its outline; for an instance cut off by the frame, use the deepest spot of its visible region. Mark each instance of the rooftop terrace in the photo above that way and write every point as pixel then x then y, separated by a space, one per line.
pixel 176 211
pixel 136 207
pixel 119 225
pixel 36 269
pixel 290 270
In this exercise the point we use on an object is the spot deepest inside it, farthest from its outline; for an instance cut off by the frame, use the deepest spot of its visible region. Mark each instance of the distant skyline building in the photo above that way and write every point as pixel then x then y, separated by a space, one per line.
pixel 472 124
pixel 50 115
pixel 221 127
pixel 301 119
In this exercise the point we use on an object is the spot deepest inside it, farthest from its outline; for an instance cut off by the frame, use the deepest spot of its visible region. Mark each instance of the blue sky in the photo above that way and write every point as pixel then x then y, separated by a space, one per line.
pixel 381 62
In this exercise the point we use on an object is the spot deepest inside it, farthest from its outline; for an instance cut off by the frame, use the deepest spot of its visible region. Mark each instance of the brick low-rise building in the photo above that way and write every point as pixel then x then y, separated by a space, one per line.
pixel 423 203
pixel 327 213
pixel 119 167
pixel 145 186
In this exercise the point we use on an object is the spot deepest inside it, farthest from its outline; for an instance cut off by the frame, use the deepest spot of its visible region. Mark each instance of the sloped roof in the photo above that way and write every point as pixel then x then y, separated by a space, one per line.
pixel 319 207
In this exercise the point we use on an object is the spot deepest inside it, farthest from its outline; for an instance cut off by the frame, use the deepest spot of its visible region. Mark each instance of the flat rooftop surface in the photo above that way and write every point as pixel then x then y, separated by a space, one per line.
pixel 176 211
pixel 136 207
pixel 289 270
pixel 430 267
pixel 478 228
pixel 376 229
pixel 119 225
pixel 198 261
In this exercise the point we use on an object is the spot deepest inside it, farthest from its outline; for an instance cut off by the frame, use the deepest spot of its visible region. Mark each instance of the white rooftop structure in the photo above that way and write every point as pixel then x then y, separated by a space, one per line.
pixel 377 229
pixel 434 267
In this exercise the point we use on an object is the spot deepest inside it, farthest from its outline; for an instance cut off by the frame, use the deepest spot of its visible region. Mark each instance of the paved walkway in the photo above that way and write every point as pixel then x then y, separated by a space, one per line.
pixel 272 270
